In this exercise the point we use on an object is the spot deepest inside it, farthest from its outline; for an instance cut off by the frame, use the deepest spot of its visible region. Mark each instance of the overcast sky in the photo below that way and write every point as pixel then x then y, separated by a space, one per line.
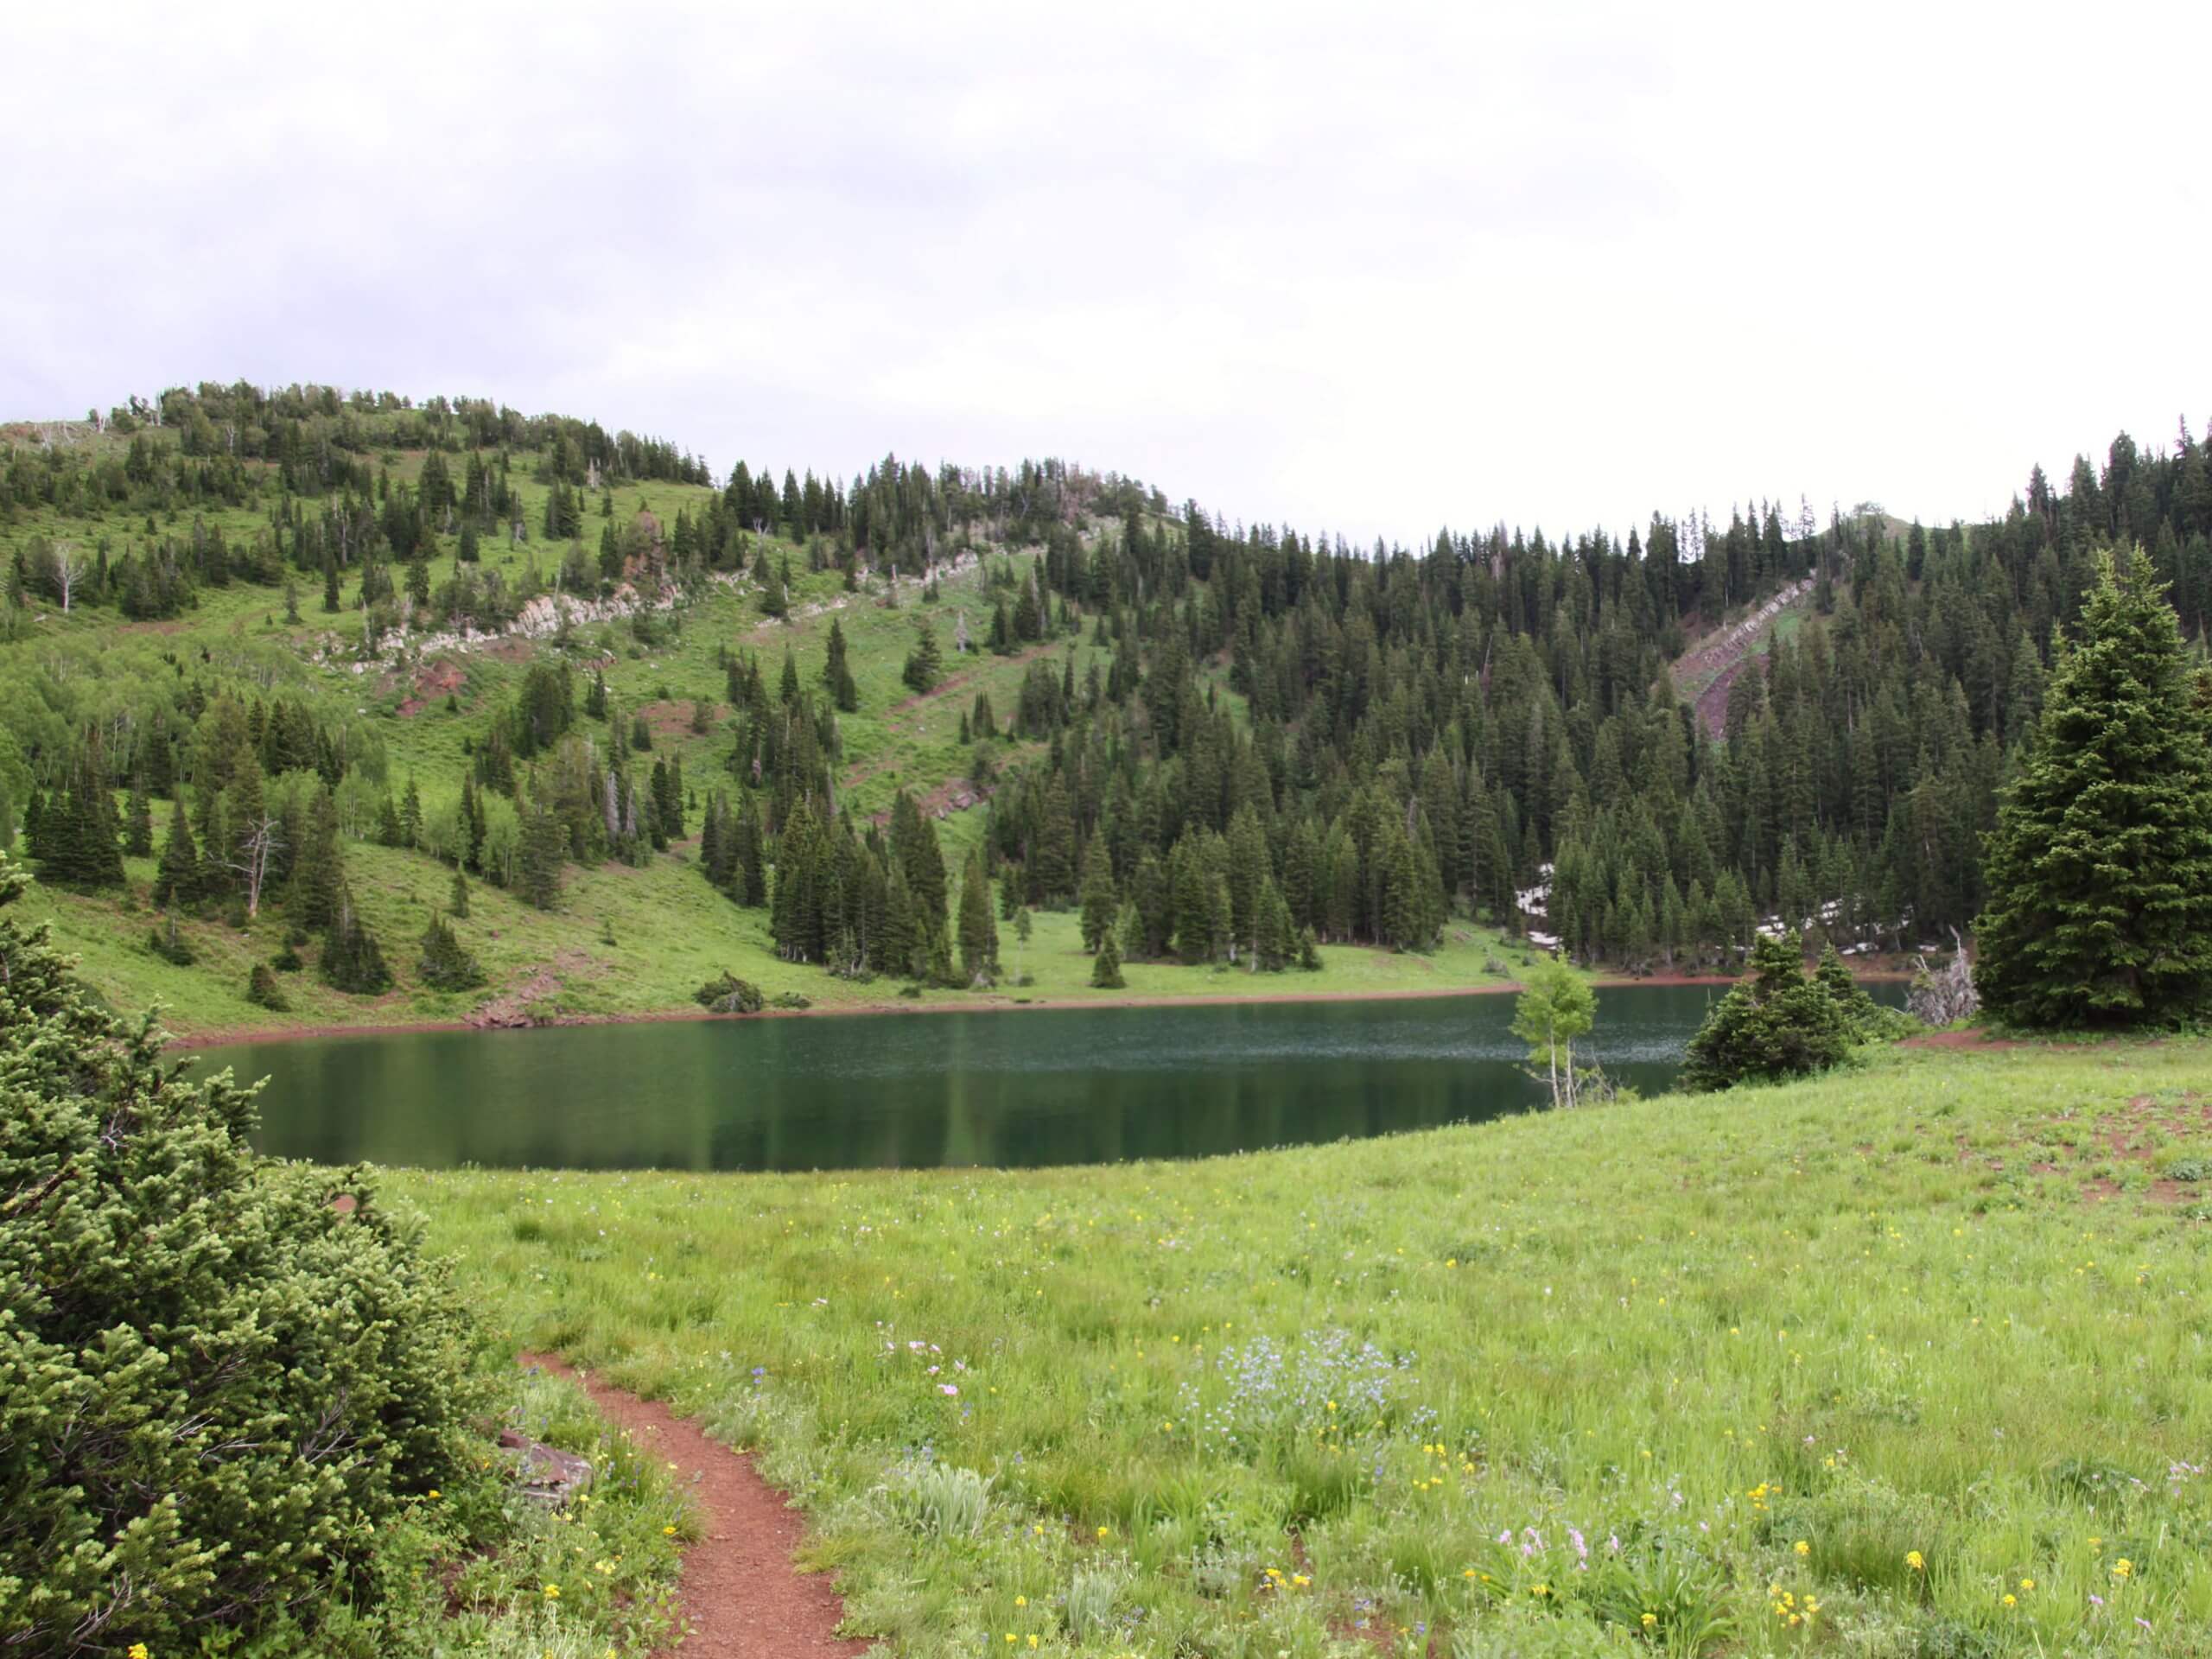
pixel 1362 269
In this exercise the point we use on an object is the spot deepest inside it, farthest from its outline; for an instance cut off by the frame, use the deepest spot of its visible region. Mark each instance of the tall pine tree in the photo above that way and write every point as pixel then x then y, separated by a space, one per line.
pixel 2100 869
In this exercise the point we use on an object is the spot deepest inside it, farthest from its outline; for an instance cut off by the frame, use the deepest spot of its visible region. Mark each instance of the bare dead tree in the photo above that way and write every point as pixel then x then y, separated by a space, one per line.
pixel 1942 996
pixel 69 568
pixel 256 846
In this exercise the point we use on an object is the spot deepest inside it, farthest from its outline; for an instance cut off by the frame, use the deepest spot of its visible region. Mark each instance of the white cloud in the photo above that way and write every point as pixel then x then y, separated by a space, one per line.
pixel 1365 269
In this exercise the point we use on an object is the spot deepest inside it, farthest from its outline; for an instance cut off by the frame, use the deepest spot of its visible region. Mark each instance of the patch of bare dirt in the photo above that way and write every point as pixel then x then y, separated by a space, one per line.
pixel 511 1007
pixel 433 682
pixel 953 682
pixel 1973 1037
pixel 741 1595
pixel 673 719
pixel 1724 655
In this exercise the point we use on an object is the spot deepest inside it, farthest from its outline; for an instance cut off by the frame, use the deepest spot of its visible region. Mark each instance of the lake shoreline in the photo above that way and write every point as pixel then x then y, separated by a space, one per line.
pixel 1002 1005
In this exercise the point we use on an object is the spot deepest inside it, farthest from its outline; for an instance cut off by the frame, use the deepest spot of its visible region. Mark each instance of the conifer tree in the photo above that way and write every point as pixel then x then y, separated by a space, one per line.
pixel 837 674
pixel 138 820
pixel 924 663
pixel 1857 1010
pixel 544 849
pixel 445 965
pixel 457 901
pixel 1106 966
pixel 352 960
pixel 2100 869
pixel 75 839
pixel 1773 1024
pixel 176 878
pixel 979 931
pixel 1099 900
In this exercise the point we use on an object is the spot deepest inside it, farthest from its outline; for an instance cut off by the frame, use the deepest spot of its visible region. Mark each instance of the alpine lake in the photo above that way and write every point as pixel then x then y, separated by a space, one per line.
pixel 1007 1089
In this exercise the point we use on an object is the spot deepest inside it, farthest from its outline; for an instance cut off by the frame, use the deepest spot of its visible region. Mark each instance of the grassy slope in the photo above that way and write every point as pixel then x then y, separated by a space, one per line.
pixel 670 931
pixel 1773 1343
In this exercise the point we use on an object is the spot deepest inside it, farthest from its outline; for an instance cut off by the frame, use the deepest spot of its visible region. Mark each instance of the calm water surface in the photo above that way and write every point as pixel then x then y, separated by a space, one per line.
pixel 1013 1088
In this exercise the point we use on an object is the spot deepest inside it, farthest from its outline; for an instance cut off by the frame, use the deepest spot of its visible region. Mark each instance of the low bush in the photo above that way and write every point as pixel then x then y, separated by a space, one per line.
pixel 171 945
pixel 727 994
pixel 217 1386
pixel 262 991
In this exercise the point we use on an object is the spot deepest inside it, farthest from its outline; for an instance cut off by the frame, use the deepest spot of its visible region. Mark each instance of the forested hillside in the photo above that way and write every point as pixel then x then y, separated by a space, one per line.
pixel 368 710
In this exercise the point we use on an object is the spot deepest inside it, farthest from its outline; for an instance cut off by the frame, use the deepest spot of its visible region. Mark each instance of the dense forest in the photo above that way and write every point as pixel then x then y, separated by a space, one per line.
pixel 1228 743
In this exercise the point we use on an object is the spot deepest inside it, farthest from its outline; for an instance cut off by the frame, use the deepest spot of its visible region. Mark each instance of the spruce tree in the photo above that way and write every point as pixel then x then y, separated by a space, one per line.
pixel 1106 967
pixel 176 878
pixel 1774 1024
pixel 138 821
pixel 1099 901
pixel 352 960
pixel 924 663
pixel 2099 872
pixel 318 869
pixel 979 931
pixel 837 674
pixel 545 848
pixel 1856 1008
pixel 445 966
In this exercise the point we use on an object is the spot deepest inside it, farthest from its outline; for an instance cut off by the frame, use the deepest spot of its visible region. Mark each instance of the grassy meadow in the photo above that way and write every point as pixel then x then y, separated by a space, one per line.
pixel 1908 1361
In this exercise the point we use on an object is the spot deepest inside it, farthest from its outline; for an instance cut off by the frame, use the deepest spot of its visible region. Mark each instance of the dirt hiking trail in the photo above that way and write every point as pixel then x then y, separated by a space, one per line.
pixel 741 1598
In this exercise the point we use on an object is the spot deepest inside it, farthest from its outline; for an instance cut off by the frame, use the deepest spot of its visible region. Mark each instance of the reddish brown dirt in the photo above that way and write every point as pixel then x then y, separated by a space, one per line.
pixel 674 719
pixel 741 1596
pixel 1712 702
pixel 1974 1037
pixel 952 682
pixel 1724 654
pixel 436 682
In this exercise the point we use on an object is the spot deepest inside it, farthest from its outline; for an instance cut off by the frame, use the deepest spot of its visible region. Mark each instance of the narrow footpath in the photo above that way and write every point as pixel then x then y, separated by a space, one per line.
pixel 740 1595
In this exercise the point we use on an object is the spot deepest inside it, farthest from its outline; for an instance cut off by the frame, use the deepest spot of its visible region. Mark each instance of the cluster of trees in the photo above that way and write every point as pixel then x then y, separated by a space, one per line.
pixel 1419 734
pixel 2100 867
pixel 261 800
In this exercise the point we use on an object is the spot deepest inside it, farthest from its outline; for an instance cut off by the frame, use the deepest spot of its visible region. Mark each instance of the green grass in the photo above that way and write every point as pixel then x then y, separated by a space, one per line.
pixel 1758 1353
pixel 670 932
pixel 475 1567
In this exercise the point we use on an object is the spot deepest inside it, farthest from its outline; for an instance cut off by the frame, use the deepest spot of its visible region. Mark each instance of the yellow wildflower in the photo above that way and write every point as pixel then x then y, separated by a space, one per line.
pixel 1914 1560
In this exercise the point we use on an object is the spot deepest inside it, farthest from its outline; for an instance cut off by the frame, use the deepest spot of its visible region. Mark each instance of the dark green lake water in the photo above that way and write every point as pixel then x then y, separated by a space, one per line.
pixel 1013 1088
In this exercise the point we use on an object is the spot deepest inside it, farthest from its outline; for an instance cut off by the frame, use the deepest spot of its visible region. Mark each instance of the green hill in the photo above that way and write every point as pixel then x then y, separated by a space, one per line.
pixel 360 642
pixel 629 936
